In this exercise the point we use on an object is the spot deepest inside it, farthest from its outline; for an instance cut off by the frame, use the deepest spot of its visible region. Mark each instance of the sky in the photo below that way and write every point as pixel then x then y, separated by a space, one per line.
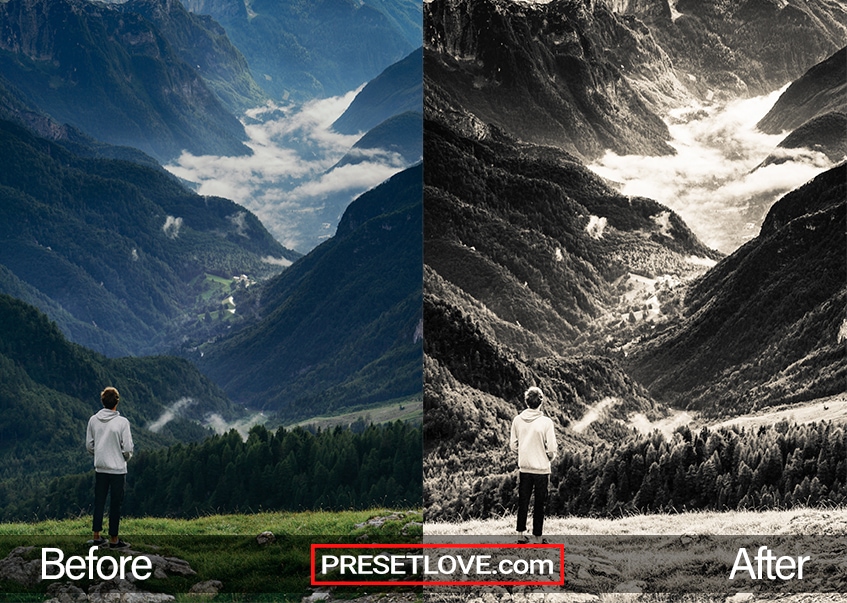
pixel 290 181
pixel 713 181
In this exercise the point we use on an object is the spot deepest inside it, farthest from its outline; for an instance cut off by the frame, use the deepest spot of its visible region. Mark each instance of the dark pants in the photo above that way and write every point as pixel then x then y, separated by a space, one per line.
pixel 528 484
pixel 103 482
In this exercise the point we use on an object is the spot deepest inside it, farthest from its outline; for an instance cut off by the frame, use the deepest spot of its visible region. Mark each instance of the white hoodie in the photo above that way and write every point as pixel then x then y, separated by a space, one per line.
pixel 534 439
pixel 109 440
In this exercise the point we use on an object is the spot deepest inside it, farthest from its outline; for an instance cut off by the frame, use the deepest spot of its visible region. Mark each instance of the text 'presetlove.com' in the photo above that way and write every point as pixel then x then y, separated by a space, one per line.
pixel 439 564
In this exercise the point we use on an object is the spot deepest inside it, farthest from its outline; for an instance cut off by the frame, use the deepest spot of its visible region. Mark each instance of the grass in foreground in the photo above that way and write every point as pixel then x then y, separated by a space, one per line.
pixel 218 547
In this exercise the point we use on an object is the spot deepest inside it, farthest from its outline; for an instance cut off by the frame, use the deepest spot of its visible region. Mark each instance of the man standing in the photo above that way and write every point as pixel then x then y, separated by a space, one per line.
pixel 534 440
pixel 108 438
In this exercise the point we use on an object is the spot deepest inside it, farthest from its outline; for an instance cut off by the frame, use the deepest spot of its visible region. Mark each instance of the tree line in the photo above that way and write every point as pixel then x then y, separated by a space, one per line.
pixel 731 468
pixel 290 469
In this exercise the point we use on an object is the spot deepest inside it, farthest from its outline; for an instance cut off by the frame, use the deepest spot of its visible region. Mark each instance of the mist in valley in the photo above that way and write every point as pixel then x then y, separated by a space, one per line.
pixel 714 181
pixel 291 181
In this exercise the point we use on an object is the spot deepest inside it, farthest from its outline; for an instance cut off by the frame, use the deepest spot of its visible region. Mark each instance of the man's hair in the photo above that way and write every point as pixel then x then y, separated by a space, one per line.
pixel 110 397
pixel 533 397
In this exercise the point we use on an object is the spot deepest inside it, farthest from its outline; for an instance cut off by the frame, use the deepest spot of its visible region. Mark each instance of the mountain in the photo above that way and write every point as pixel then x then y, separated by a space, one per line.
pixel 814 109
pixel 49 388
pixel 401 134
pixel 125 85
pixel 723 50
pixel 200 41
pixel 119 253
pixel 766 325
pixel 554 74
pixel 537 239
pixel 341 327
pixel 530 260
pixel 303 50
pixel 398 89
pixel 820 91
pixel 823 134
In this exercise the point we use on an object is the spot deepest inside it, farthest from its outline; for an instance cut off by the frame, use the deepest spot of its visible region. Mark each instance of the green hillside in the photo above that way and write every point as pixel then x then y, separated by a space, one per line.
pixel 116 245
pixel 49 388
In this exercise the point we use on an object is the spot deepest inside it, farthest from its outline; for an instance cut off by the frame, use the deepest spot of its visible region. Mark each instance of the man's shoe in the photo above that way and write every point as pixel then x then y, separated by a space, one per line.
pixel 97 542
pixel 120 544
pixel 523 540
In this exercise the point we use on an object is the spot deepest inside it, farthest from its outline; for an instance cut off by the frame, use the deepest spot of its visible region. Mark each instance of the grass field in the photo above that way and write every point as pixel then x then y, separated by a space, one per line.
pixel 689 563
pixel 405 409
pixel 219 547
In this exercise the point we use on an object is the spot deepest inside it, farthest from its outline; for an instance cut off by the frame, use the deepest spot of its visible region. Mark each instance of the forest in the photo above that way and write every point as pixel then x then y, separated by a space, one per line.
pixel 730 468
pixel 290 469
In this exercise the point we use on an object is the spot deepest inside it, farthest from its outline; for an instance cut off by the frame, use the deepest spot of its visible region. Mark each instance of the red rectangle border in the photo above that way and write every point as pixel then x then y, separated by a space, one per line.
pixel 560 582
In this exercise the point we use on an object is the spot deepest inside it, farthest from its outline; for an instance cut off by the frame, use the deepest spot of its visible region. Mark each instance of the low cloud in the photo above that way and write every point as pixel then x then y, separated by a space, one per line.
pixel 596 226
pixel 172 227
pixel 220 425
pixel 170 414
pixel 290 175
pixel 713 181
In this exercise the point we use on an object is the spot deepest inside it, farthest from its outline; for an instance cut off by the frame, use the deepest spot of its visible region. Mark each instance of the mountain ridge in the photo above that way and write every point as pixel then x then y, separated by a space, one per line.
pixel 126 86
pixel 339 328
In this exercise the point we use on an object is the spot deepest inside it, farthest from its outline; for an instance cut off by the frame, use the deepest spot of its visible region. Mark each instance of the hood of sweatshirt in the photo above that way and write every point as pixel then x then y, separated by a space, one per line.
pixel 530 414
pixel 105 415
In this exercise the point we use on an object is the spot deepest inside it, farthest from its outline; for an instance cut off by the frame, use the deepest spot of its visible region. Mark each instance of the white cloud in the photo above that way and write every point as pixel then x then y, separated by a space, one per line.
pixel 712 181
pixel 172 226
pixel 276 261
pixel 290 178
pixel 596 226
pixel 220 425
pixel 169 414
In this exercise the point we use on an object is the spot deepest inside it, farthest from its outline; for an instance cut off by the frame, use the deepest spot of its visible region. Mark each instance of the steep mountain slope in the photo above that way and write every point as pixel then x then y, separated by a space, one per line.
pixel 125 85
pixel 396 90
pixel 526 254
pixel 303 50
pixel 814 108
pixel 401 134
pixel 537 238
pixel 554 74
pixel 765 326
pixel 116 245
pixel 729 49
pixel 341 327
pixel 202 42
pixel 50 387
pixel 821 90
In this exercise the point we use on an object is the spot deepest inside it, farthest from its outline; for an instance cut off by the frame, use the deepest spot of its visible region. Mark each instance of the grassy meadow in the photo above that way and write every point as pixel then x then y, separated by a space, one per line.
pixel 218 547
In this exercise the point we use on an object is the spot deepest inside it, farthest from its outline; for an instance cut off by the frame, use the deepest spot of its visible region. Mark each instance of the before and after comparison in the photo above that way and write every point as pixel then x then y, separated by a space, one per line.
pixel 390 301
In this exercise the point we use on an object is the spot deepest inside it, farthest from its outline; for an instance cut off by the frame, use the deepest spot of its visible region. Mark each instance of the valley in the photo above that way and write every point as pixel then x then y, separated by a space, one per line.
pixel 605 218
pixel 715 179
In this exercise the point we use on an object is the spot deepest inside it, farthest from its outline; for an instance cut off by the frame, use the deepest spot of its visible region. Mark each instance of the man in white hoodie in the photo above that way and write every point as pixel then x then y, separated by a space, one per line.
pixel 534 439
pixel 108 438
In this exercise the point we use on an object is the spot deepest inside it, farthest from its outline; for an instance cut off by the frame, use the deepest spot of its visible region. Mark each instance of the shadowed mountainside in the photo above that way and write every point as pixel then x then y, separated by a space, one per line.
pixel 304 50
pixel 126 85
pixel 545 74
pixel 49 388
pixel 765 326
pixel 111 249
pixel 341 327
pixel 398 89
